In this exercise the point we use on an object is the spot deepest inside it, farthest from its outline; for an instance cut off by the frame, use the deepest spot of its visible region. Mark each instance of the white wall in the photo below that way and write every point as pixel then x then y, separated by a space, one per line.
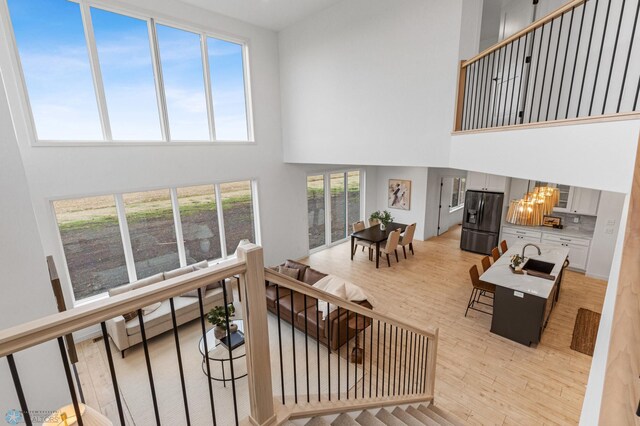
pixel 25 287
pixel 605 235
pixel 448 219
pixel 371 82
pixel 418 178
pixel 597 155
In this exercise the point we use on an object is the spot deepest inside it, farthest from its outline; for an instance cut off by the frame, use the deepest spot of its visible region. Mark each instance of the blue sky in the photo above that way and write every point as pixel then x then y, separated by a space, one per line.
pixel 52 47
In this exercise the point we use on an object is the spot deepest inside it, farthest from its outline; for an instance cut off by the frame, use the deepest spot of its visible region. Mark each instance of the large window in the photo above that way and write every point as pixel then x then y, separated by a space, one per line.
pixel 164 229
pixel 144 81
pixel 344 189
pixel 458 190
pixel 55 63
pixel 92 244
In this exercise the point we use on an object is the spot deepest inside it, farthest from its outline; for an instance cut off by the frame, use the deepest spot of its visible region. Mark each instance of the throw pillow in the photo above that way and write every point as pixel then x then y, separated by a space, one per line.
pixel 355 293
pixel 290 272
pixel 331 286
pixel 151 308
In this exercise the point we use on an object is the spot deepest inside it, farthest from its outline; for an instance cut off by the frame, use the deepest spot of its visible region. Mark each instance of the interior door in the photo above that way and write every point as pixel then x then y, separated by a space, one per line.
pixel 446 189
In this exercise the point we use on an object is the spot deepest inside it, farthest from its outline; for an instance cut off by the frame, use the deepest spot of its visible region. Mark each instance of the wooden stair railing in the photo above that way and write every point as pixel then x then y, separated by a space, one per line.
pixel 557 70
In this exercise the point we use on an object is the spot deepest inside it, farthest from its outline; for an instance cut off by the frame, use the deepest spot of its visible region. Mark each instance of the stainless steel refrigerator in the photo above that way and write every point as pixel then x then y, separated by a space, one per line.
pixel 481 221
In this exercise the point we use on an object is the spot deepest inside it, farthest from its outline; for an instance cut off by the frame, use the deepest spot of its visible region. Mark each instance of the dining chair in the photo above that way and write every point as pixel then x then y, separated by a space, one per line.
pixel 503 246
pixel 480 289
pixel 495 253
pixel 391 246
pixel 407 239
pixel 359 226
pixel 373 222
pixel 486 263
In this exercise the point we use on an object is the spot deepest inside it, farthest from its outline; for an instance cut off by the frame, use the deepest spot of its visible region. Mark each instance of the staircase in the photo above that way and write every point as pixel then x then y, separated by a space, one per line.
pixel 423 414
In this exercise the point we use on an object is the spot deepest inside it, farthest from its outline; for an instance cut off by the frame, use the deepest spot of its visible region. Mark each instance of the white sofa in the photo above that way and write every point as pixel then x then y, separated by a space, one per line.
pixel 126 334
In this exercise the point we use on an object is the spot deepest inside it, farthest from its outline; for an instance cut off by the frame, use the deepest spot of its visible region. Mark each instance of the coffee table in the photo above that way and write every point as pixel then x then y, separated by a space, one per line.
pixel 220 353
pixel 375 235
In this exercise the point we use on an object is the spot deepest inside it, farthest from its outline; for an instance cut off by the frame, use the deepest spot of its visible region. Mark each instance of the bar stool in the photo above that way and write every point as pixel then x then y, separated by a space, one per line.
pixel 495 253
pixel 503 246
pixel 486 263
pixel 480 289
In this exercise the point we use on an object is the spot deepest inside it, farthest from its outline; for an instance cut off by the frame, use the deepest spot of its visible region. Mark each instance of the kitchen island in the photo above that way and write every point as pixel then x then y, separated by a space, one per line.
pixel 523 303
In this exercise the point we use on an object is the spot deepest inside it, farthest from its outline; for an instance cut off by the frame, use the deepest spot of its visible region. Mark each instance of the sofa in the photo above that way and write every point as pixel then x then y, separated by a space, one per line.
pixel 292 308
pixel 125 333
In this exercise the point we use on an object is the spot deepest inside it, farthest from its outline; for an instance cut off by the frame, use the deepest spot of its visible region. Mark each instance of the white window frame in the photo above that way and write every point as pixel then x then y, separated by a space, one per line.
pixel 152 18
pixel 327 203
pixel 126 236
pixel 460 204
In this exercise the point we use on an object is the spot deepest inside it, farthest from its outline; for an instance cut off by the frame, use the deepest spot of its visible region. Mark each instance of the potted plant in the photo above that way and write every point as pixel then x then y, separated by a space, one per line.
pixel 218 319
pixel 516 262
pixel 384 217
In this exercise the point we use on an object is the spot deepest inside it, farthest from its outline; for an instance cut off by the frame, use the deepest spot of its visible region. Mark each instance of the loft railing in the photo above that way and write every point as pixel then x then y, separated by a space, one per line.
pixel 398 359
pixel 395 361
pixel 580 61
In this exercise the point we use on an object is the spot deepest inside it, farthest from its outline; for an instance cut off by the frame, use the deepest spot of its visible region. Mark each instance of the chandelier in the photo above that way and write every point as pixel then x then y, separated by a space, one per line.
pixel 531 209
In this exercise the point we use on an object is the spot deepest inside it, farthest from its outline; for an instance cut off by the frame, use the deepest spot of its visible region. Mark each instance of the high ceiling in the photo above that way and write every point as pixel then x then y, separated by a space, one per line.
pixel 271 14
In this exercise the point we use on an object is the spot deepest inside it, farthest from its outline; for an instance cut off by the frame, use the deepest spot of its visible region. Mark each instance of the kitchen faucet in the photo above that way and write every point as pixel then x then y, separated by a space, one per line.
pixel 530 244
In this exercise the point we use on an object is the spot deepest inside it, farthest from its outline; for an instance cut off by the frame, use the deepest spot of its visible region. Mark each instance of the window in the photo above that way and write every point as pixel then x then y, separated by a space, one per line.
pixel 127 74
pixel 152 82
pixel 458 191
pixel 199 218
pixel 100 257
pixel 227 86
pixel 344 207
pixel 92 244
pixel 237 209
pixel 182 73
pixel 316 211
pixel 55 63
pixel 152 231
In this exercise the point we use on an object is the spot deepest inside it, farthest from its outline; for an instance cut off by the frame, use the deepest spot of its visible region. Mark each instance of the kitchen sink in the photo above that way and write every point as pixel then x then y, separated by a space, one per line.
pixel 539 266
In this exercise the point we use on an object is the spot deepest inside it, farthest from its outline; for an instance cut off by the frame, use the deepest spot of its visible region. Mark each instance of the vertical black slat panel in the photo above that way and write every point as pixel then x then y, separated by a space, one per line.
pixel 114 379
pixel 410 368
pixel 544 71
pixel 421 366
pixel 586 61
pixel 477 93
pixel 19 392
pixel 494 86
pixel 355 364
pixel 575 59
pixel 522 78
pixel 293 352
pixel 472 93
pixel 147 359
pixel 506 90
pixel 535 76
pixel 487 91
pixel 395 362
pixel 604 36
pixel 206 351
pixel 613 58
pixel 483 78
pixel 231 367
pixel 318 348
pixel 364 352
pixel 306 344
pixel 72 388
pixel 346 330
pixel 635 100
pixel 406 352
pixel 553 70
pixel 528 53
pixel 415 364
pixel 339 352
pixel 377 358
pixel 371 358
pixel 626 66
pixel 513 84
pixel 178 354
pixel 400 368
pixel 328 328
pixel 499 99
pixel 280 342
pixel 384 355
pixel 564 63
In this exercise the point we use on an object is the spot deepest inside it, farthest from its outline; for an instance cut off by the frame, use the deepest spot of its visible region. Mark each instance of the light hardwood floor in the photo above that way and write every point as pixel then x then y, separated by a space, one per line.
pixel 481 377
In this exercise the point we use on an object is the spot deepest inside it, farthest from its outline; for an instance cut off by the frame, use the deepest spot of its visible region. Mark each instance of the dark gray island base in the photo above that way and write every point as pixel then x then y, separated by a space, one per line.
pixel 523 304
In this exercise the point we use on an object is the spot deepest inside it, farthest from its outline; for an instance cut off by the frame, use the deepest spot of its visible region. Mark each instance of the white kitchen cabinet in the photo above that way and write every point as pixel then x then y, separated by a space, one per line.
pixel 486 182
pixel 585 201
pixel 578 248
pixel 516 236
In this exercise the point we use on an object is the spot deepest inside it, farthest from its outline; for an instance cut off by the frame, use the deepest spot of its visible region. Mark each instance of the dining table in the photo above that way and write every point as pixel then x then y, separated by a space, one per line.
pixel 375 235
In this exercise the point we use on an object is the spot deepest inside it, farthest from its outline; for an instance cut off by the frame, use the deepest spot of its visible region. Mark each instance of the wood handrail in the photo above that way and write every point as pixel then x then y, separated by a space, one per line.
pixel 621 389
pixel 43 329
pixel 532 27
pixel 290 283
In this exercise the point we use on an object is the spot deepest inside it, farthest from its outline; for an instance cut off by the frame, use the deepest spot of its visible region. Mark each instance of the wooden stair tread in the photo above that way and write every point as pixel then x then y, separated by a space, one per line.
pixel 447 416
pixel 406 417
pixel 421 416
pixel 365 418
pixel 389 419
pixel 435 416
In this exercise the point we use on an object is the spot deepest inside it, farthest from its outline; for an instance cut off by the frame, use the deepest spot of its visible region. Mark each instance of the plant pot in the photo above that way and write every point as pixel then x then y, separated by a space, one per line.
pixel 383 226
pixel 233 328
pixel 219 332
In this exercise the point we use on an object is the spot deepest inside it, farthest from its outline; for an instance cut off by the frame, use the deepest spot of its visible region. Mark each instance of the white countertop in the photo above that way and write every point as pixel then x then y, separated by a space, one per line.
pixel 500 274
pixel 567 232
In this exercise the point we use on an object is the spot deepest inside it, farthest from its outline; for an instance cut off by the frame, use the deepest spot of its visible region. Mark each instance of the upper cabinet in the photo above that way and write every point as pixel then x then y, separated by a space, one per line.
pixel 486 182
pixel 585 201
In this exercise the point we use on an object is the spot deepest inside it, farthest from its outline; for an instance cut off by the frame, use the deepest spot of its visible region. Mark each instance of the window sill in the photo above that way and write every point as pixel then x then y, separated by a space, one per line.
pixel 455 209
pixel 93 144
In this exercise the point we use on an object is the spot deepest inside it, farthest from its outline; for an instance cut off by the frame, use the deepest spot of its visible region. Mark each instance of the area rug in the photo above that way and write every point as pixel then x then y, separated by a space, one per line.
pixel 585 331
pixel 134 383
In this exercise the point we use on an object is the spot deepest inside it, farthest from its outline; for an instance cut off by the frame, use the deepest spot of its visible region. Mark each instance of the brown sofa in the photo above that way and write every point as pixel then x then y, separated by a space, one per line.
pixel 282 298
